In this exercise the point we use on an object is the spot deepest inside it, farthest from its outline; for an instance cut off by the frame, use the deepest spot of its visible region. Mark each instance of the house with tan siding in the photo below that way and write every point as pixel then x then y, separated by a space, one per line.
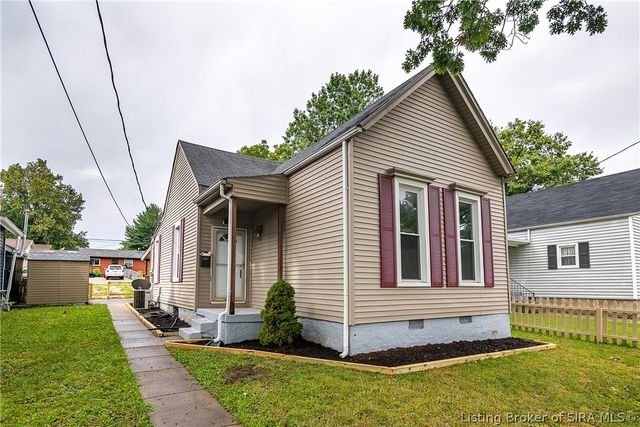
pixel 391 228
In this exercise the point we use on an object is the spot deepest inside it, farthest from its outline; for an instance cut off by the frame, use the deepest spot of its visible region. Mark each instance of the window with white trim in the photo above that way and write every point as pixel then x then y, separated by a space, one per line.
pixel 95 262
pixel 568 256
pixel 469 238
pixel 411 232
pixel 128 263
pixel 155 260
pixel 176 256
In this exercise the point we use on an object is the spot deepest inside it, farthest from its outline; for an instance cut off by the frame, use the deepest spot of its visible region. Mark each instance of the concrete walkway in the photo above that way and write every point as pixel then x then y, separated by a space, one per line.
pixel 176 397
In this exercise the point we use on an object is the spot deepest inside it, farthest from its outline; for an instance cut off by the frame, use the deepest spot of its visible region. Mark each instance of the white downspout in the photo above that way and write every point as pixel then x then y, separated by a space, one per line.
pixel 346 274
pixel 229 247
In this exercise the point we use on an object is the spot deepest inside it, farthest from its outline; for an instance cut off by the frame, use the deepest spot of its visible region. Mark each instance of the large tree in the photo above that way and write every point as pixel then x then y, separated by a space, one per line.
pixel 447 27
pixel 335 103
pixel 138 236
pixel 54 207
pixel 542 160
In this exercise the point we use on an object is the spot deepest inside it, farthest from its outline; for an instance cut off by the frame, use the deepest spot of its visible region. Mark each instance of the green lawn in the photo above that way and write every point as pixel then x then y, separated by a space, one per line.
pixel 65 366
pixel 576 377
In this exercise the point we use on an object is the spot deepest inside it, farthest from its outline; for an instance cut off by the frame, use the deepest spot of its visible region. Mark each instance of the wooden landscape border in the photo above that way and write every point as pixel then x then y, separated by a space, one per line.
pixel 152 328
pixel 396 370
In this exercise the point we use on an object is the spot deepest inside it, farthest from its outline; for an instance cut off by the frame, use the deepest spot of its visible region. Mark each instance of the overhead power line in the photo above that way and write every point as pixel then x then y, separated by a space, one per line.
pixel 615 154
pixel 64 87
pixel 113 83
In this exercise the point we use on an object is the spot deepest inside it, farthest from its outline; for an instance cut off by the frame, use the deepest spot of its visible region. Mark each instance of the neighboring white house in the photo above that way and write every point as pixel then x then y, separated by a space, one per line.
pixel 579 241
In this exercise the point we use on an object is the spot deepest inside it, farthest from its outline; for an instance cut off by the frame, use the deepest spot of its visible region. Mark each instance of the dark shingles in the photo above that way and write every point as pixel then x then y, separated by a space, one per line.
pixel 54 255
pixel 112 253
pixel 350 124
pixel 209 164
pixel 594 198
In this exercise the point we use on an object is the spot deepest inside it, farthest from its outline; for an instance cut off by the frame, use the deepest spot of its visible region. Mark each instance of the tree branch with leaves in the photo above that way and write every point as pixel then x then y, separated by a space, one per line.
pixel 488 31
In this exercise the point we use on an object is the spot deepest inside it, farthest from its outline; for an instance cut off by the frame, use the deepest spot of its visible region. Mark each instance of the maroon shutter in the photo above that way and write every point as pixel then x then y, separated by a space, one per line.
pixel 387 232
pixel 181 264
pixel 435 237
pixel 450 237
pixel 487 244
pixel 159 257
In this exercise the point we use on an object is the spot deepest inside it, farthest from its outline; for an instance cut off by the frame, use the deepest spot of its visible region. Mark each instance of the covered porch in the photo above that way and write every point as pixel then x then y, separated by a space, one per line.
pixel 241 235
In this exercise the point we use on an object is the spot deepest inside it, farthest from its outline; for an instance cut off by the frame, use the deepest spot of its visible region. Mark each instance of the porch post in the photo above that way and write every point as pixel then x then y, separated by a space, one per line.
pixel 232 254
pixel 280 241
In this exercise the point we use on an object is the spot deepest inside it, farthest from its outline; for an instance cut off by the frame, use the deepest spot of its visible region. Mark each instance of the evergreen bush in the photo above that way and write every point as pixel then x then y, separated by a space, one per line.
pixel 280 325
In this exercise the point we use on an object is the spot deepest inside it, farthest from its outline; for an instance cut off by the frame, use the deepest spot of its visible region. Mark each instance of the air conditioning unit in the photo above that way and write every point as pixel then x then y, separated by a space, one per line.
pixel 141 298
pixel 141 293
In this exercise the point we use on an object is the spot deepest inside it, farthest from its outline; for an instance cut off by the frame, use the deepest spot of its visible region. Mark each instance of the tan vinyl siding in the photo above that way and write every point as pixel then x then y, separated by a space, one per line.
pixel 204 245
pixel 57 282
pixel 264 255
pixel 313 238
pixel 269 189
pixel 424 134
pixel 182 190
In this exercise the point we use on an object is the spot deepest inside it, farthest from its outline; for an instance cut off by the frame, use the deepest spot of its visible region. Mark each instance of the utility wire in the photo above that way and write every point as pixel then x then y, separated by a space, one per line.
pixel 113 83
pixel 74 112
pixel 615 154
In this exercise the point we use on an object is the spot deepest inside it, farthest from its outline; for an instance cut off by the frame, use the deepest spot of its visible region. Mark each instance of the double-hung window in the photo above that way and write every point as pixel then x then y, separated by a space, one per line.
pixel 176 252
pixel 568 256
pixel 95 262
pixel 128 263
pixel 412 234
pixel 469 238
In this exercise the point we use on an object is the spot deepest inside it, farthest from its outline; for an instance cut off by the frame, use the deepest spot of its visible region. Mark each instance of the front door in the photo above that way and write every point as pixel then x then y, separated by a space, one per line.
pixel 219 266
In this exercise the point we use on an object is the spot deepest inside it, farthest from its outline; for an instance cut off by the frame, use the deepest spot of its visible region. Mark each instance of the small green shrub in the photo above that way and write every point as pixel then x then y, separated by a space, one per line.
pixel 96 272
pixel 280 325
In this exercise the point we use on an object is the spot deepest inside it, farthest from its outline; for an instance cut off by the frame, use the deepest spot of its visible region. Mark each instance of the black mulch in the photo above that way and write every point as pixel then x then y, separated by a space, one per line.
pixel 395 356
pixel 162 320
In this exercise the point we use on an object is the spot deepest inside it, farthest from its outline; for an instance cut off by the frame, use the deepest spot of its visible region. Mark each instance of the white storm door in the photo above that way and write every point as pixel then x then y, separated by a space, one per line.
pixel 219 266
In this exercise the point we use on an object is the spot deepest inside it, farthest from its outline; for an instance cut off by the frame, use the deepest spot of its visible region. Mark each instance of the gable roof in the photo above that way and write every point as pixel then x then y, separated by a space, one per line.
pixel 111 253
pixel 460 95
pixel 209 164
pixel 54 255
pixel 350 124
pixel 609 195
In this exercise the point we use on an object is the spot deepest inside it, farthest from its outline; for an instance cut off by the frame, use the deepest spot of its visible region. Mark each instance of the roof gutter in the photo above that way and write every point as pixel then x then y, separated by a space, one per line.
pixel 324 150
pixel 210 192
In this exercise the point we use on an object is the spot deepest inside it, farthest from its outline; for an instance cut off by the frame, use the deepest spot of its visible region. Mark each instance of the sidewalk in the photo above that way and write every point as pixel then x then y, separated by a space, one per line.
pixel 177 399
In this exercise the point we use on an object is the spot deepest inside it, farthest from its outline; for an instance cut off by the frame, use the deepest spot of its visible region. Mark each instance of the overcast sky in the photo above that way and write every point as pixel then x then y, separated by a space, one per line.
pixel 228 74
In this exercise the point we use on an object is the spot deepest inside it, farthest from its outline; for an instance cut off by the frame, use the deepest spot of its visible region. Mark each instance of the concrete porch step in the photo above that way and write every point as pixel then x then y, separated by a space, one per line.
pixel 204 325
pixel 189 334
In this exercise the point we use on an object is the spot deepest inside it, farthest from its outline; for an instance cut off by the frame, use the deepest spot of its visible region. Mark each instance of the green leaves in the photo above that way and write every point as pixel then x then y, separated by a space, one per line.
pixel 138 236
pixel 541 160
pixel 336 102
pixel 486 31
pixel 55 207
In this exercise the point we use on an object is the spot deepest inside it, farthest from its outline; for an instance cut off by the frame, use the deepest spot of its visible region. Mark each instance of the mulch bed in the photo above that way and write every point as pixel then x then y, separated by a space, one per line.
pixel 162 320
pixel 395 356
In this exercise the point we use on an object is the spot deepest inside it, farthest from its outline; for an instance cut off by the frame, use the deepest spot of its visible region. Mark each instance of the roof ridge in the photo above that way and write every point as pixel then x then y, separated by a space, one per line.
pixel 181 141
pixel 584 181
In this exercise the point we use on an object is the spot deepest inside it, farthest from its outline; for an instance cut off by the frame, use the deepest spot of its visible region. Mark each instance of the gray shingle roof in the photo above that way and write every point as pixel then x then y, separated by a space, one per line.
pixel 112 253
pixel 209 164
pixel 53 255
pixel 350 124
pixel 608 195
